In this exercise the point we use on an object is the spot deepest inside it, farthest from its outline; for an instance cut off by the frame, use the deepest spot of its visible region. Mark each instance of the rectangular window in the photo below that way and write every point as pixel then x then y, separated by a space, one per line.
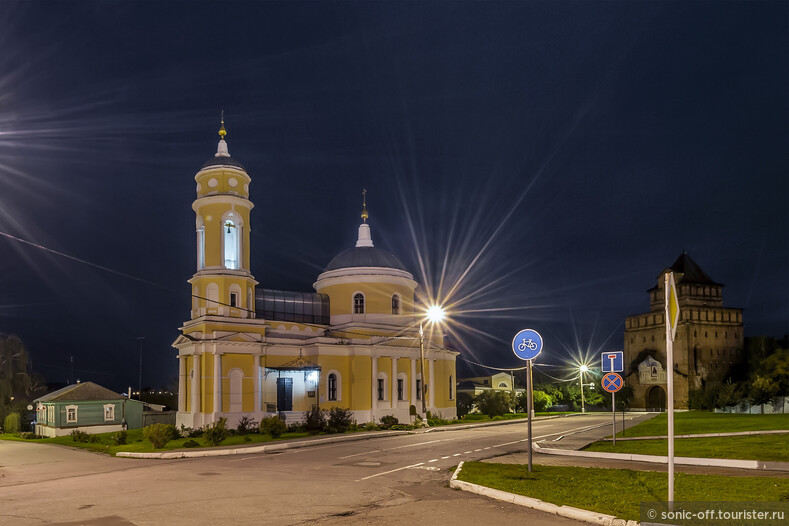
pixel 71 414
pixel 380 389
pixel 418 389
pixel 400 389
pixel 51 414
pixel 234 299
pixel 109 412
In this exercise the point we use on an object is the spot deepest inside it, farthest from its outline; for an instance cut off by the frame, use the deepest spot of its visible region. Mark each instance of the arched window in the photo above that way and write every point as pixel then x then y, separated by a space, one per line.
pixel 332 387
pixel 236 378
pixel 396 304
pixel 212 296
pixel 358 303
pixel 230 235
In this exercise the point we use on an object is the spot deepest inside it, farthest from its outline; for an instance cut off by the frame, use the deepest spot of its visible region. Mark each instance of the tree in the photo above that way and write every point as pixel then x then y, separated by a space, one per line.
pixel 541 400
pixel 15 382
pixel 494 403
pixel 776 368
pixel 763 391
pixel 728 394
pixel 464 402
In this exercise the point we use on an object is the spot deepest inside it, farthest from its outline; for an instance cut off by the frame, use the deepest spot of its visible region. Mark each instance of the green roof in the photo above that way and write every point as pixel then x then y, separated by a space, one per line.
pixel 79 392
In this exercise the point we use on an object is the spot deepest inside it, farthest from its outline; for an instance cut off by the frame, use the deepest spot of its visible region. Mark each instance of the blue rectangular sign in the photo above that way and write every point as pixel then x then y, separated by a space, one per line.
pixel 613 362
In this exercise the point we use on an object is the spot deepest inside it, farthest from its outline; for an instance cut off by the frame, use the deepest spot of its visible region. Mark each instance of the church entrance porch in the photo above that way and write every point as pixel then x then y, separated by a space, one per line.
pixel 656 399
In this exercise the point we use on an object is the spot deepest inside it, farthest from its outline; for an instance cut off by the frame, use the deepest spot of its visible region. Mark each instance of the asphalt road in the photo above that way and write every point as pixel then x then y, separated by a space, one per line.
pixel 394 480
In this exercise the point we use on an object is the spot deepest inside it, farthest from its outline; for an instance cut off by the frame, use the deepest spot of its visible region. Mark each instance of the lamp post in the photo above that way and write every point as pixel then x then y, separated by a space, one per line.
pixel 581 372
pixel 434 315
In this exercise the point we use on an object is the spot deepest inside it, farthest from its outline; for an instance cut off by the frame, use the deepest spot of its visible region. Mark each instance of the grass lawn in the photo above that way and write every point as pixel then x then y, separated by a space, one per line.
pixel 619 492
pixel 695 422
pixel 756 447
pixel 136 443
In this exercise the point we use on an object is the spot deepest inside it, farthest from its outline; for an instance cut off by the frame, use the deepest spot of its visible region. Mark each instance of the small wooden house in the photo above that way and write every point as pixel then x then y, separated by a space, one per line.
pixel 86 407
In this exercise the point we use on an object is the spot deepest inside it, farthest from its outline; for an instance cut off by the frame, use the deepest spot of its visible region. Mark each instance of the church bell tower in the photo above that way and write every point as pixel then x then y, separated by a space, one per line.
pixel 222 284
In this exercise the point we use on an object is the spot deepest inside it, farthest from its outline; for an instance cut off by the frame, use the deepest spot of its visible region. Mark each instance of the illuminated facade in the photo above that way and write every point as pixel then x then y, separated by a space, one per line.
pixel 708 343
pixel 254 352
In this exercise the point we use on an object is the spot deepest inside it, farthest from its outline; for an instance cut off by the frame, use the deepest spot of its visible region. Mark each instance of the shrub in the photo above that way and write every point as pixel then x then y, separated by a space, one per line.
pixel 401 427
pixel 95 439
pixel 370 426
pixel 191 443
pixel 246 425
pixel 315 420
pixel 29 435
pixel 191 432
pixel 340 420
pixel 387 421
pixel 273 426
pixel 11 424
pixel 80 436
pixel 296 427
pixel 119 438
pixel 217 432
pixel 159 434
pixel 494 403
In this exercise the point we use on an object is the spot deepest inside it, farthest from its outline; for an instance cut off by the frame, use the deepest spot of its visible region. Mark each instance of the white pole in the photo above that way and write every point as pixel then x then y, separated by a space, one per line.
pixel 669 395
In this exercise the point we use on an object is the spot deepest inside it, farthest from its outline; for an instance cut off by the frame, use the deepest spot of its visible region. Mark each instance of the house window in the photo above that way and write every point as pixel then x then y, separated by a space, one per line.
pixel 396 304
pixel 109 412
pixel 358 303
pixel 333 387
pixel 380 388
pixel 418 389
pixel 51 414
pixel 399 388
pixel 71 414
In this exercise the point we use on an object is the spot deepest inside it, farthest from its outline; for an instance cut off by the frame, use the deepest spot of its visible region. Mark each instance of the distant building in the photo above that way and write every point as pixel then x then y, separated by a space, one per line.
pixel 253 352
pixel 479 384
pixel 708 343
pixel 85 407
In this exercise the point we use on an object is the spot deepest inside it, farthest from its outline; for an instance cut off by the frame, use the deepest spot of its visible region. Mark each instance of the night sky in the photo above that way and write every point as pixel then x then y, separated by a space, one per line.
pixel 548 158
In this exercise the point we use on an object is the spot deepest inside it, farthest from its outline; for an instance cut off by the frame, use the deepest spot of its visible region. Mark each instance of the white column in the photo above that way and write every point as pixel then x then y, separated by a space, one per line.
pixel 182 379
pixel 413 385
pixel 374 401
pixel 217 383
pixel 196 385
pixel 431 392
pixel 394 382
pixel 256 370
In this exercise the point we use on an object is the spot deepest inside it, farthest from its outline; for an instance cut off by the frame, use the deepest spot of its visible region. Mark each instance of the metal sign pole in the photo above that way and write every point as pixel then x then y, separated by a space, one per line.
pixel 613 412
pixel 530 407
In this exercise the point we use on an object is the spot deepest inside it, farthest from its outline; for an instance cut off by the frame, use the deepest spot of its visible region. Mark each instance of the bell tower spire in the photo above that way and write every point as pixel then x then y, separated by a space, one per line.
pixel 365 237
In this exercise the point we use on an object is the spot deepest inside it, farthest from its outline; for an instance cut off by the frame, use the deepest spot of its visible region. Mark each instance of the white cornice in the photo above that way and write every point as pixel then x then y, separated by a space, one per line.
pixel 223 199
pixel 345 276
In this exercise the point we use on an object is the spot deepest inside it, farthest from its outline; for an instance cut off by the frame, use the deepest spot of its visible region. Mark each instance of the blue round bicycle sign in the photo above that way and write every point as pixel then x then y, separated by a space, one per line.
pixel 527 344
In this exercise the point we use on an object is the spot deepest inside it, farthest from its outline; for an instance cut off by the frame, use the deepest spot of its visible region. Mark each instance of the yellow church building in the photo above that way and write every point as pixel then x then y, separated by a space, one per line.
pixel 353 343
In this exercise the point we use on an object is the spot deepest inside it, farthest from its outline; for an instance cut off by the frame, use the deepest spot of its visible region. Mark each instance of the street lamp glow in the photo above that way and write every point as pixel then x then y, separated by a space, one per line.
pixel 584 368
pixel 435 314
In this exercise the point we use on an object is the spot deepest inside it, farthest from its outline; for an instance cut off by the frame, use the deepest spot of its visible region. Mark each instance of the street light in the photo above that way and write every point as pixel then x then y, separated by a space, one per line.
pixel 581 370
pixel 434 314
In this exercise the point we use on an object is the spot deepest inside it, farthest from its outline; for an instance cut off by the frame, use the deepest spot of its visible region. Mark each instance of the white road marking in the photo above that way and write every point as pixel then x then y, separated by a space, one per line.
pixel 388 449
pixel 456 455
pixel 434 460
pixel 444 458
pixel 478 450
pixel 240 459
pixel 466 452
pixel 390 471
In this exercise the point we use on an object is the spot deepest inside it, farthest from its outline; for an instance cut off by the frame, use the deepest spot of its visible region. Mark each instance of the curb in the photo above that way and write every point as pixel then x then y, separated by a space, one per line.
pixel 705 435
pixel 564 511
pixel 249 450
pixel 687 461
